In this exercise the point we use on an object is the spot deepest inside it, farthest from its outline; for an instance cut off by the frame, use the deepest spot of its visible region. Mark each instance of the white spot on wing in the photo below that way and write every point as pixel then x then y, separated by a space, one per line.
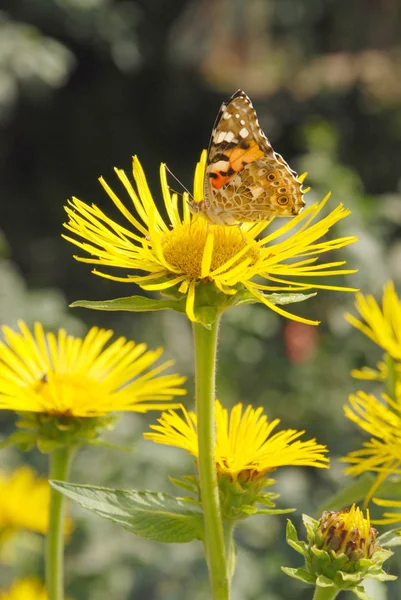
pixel 229 136
pixel 219 137
pixel 237 116
pixel 226 115
pixel 242 122
pixel 244 132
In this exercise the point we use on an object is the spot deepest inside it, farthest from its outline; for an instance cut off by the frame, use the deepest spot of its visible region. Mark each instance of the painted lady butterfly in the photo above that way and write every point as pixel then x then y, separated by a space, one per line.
pixel 245 179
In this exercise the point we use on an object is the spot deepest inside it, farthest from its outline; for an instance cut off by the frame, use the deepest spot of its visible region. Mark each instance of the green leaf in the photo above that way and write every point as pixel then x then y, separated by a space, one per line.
pixel 390 538
pixel 151 515
pixel 130 303
pixel 354 492
pixel 188 483
pixel 299 574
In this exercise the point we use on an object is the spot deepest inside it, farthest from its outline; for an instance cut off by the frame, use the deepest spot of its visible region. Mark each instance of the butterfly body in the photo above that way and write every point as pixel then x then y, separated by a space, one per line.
pixel 245 179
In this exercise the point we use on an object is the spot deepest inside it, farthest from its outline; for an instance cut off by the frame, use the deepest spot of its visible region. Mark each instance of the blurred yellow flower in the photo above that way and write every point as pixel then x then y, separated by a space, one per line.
pixel 389 518
pixel 369 374
pixel 382 325
pixel 24 502
pixel 25 589
pixel 185 252
pixel 382 420
pixel 245 443
pixel 64 375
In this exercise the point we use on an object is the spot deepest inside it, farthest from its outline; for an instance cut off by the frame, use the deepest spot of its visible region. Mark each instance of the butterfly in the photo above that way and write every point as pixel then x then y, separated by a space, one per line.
pixel 245 179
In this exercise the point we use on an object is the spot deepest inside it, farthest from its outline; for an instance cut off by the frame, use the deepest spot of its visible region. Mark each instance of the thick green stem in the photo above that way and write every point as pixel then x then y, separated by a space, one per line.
pixel 59 467
pixel 325 593
pixel 205 341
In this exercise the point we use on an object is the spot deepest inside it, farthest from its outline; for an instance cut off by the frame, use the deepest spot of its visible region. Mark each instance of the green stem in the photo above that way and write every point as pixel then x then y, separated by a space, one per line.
pixel 325 593
pixel 59 467
pixel 205 341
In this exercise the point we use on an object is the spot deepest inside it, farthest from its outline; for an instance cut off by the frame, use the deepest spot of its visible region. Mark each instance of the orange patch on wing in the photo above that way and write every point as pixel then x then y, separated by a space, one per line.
pixel 237 157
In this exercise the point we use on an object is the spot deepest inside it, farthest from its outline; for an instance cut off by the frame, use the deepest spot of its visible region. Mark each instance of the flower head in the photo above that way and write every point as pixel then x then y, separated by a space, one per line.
pixel 347 532
pixel 63 375
pixel 25 589
pixel 341 551
pixel 24 502
pixel 381 325
pixel 246 446
pixel 246 451
pixel 188 257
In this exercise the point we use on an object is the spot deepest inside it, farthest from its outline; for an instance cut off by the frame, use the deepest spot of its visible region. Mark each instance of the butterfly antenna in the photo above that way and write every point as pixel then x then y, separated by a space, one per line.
pixel 178 181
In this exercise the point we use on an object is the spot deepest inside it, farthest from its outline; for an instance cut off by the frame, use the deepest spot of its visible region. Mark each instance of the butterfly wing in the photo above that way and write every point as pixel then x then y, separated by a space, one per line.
pixel 236 143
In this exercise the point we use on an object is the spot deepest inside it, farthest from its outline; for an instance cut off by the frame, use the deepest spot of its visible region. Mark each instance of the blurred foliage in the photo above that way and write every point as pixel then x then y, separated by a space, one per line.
pixel 84 84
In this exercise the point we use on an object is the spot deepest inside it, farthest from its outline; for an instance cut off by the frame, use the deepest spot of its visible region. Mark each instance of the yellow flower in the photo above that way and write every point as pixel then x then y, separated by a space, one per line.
pixel 382 420
pixel 382 325
pixel 246 446
pixel 25 589
pixel 185 252
pixel 24 502
pixel 69 376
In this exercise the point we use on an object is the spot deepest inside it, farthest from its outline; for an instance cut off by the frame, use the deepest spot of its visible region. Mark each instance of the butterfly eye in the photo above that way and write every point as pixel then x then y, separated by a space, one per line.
pixel 283 200
pixel 271 177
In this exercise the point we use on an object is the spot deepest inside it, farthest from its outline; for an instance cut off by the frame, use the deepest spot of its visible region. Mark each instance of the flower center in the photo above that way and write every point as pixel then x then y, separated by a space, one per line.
pixel 184 247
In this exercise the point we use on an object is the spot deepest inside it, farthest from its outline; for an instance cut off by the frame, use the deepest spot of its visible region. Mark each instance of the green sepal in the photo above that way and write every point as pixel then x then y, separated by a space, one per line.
pixel 360 593
pixel 49 432
pixel 390 538
pixel 151 515
pixel 131 304
pixel 325 582
pixel 23 440
pixel 299 574
pixel 310 526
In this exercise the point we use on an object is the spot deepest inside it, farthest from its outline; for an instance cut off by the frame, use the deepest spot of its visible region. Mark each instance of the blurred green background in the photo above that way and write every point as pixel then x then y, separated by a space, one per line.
pixel 84 84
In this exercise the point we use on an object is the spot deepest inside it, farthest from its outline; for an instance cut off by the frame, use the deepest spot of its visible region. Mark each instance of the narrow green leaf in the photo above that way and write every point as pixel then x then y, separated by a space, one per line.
pixel 274 511
pixel 246 297
pixel 151 515
pixel 354 492
pixel 130 303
